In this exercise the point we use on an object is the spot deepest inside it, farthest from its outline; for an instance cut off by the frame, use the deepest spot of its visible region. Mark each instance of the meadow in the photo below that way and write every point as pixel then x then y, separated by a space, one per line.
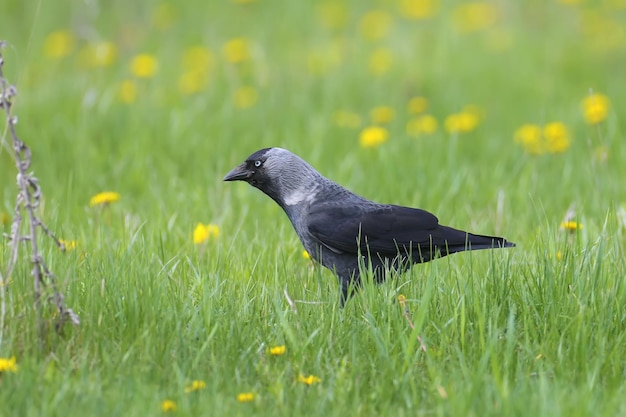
pixel 195 296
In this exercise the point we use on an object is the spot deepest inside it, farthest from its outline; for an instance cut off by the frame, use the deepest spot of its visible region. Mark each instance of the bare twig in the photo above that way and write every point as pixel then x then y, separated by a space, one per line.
pixel 28 199
pixel 407 316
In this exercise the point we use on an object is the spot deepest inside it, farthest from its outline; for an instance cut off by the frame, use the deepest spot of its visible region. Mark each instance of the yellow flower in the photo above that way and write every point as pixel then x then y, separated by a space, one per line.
pixel 196 385
pixel 382 114
pixel 236 50
pixel 5 219
pixel 127 91
pixel 424 124
pixel 164 16
pixel 8 365
pixel 245 397
pixel 68 245
pixel 306 255
pixel 373 136
pixel 144 66
pixel 323 59
pixel 346 118
pixel 557 137
pixel 245 97
pixel 100 54
pixel 168 406
pixel 401 298
pixel 596 108
pixel 204 232
pixel 417 105
pixel 418 9
pixel 530 137
pixel 380 61
pixel 375 24
pixel 462 122
pixel 59 44
pixel 104 199
pixel 309 380
pixel 277 350
pixel 475 16
pixel 192 82
pixel 197 58
pixel 571 225
pixel 332 14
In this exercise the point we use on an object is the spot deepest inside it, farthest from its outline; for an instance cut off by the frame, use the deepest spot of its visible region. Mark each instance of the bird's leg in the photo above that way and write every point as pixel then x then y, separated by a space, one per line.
pixel 349 287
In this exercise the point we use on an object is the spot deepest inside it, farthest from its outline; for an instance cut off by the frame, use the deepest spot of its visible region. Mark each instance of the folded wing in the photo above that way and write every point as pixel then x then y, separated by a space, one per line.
pixel 388 230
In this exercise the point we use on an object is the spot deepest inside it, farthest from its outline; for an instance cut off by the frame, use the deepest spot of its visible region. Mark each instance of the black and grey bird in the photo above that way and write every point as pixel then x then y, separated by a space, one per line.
pixel 342 230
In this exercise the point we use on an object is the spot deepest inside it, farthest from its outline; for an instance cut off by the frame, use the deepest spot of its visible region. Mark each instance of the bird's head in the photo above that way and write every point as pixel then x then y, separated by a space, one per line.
pixel 277 172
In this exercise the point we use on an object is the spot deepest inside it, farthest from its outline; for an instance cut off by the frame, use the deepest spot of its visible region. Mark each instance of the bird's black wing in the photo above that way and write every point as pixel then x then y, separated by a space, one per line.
pixel 382 229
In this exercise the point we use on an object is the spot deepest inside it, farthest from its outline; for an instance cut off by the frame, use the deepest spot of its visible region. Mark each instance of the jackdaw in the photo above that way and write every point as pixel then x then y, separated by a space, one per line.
pixel 344 231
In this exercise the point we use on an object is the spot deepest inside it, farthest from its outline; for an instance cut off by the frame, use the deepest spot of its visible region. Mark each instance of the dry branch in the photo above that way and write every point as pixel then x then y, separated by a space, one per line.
pixel 27 201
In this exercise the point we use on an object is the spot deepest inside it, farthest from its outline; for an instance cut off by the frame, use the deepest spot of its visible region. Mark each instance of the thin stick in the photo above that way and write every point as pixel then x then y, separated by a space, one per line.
pixel 407 316
pixel 28 199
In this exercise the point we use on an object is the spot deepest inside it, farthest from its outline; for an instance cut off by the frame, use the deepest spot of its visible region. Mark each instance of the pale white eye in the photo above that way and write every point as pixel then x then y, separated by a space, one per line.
pixel 257 163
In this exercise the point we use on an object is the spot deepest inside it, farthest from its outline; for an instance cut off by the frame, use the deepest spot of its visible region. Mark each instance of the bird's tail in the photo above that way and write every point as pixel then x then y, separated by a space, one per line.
pixel 469 241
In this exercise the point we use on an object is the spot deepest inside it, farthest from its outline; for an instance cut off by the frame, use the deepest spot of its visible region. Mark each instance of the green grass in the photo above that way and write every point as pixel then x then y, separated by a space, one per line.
pixel 535 330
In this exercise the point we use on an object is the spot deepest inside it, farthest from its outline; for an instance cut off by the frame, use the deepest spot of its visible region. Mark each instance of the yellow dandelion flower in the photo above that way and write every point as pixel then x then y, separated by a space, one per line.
pixel 417 105
pixel 277 350
pixel 99 54
pixel 8 365
pixel 306 255
pixel 530 137
pixel 192 82
pixel 309 380
pixel 168 406
pixel 321 60
pixel 332 14
pixel 200 234
pixel 382 114
pixel 197 58
pixel 571 226
pixel 373 136
pixel 424 124
pixel 236 50
pixel 5 219
pixel 104 198
pixel 144 66
pixel 164 16
pixel 463 122
pixel 380 61
pixel 475 16
pixel 557 137
pixel 596 108
pixel 196 385
pixel 245 397
pixel 559 256
pixel 401 298
pixel 127 91
pixel 346 118
pixel 418 9
pixel 375 24
pixel 245 97
pixel 59 44
pixel 68 245
pixel 203 232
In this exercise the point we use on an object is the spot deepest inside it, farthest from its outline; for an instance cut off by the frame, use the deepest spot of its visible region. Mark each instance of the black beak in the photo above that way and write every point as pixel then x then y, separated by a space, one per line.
pixel 239 173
